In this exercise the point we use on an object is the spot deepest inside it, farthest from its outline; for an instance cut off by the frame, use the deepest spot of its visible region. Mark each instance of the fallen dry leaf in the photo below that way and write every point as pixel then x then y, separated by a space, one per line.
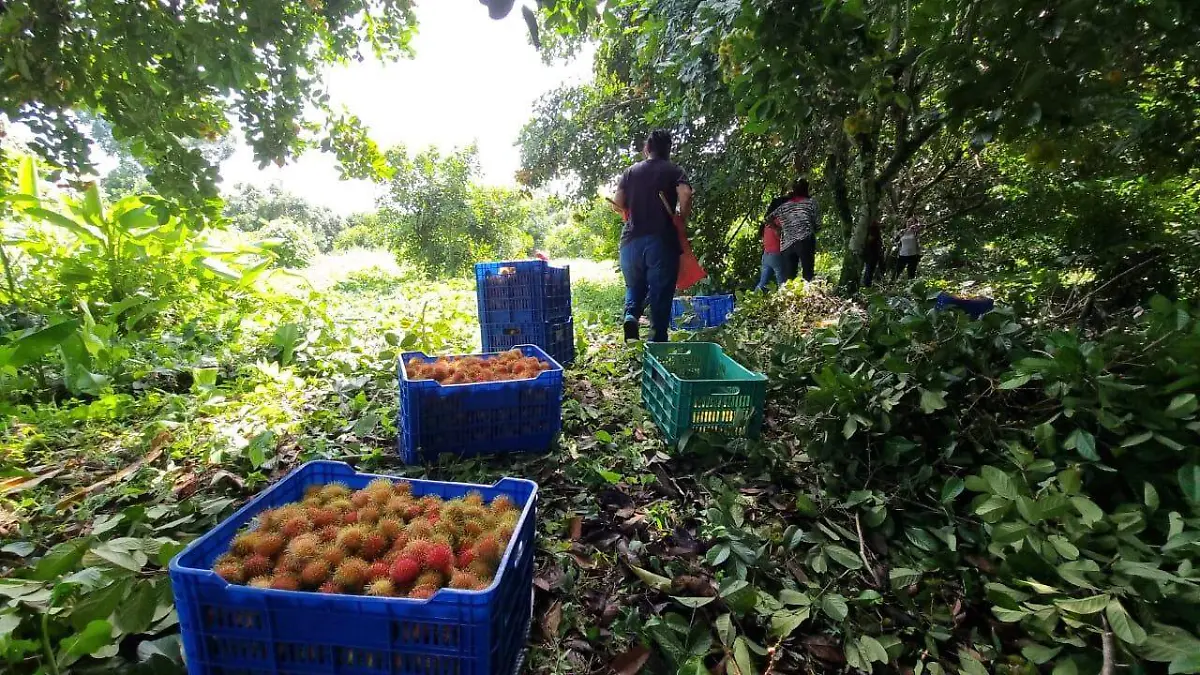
pixel 156 449
pixel 576 528
pixel 19 483
pixel 630 662
pixel 824 648
pixel 551 619
pixel 584 562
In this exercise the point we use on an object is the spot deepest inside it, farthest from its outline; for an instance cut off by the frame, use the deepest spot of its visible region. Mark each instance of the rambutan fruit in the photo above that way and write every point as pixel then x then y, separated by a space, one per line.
pixel 329 533
pixel 312 491
pixel 482 570
pixel 502 504
pixel 390 557
pixel 350 517
pixel 290 563
pixel 474 512
pixel 256 566
pixel 440 557
pixel 295 526
pixel 381 588
pixel 373 546
pixel 352 538
pixel 379 486
pixel 352 574
pixel 420 528
pixel 315 573
pixel 395 506
pixel 360 499
pixel 368 515
pixel 422 592
pixel 453 511
pixel 448 529
pixel 389 527
pixel 405 570
pixel 465 558
pixel 244 543
pixel 430 578
pixel 402 488
pixel 473 528
pixel 400 541
pixel 504 533
pixel 260 582
pixel 412 511
pixel 487 548
pixel 379 569
pixel 430 504
pixel 438 538
pixel 285 582
pixel 417 550
pixel 334 491
pixel 465 581
pixel 322 517
pixel 269 544
pixel 341 505
pixel 330 587
pixel 305 547
pixel 231 571
pixel 473 498
pixel 334 555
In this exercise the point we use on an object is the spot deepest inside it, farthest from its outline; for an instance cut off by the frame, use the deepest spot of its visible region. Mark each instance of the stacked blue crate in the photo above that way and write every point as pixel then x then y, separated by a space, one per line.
pixel 525 302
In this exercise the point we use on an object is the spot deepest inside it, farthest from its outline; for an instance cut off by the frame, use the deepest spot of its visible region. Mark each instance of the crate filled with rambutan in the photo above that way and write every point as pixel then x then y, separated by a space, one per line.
pixel 333 571
pixel 475 404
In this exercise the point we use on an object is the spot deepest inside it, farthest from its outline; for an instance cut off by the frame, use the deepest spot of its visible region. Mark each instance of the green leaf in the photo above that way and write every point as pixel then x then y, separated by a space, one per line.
pixel 844 557
pixel 741 657
pixel 872 650
pixel 1084 443
pixel 835 607
pixel 1088 511
pixel 789 597
pixel 1066 666
pixel 1150 496
pixel 1015 382
pixel 1148 571
pixel 1009 615
pixel 1045 437
pixel 35 345
pixel 1168 644
pixel 1039 654
pixel 1064 547
pixel 1189 482
pixel 1185 664
pixel 1009 532
pixel 1073 572
pixel 27 176
pixel 991 508
pixel 96 635
pixel 658 583
pixel 932 401
pixel 788 620
pixel 1090 605
pixel 1123 625
pixel 903 576
pixel 61 558
pixel 725 630
pixel 921 539
pixel 99 604
pixel 692 603
pixel 951 489
pixel 999 482
pixel 80 230
pixel 1182 405
pixel 1137 439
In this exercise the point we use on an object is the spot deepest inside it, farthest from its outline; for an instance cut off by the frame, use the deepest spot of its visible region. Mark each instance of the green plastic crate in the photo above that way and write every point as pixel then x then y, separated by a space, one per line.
pixel 694 385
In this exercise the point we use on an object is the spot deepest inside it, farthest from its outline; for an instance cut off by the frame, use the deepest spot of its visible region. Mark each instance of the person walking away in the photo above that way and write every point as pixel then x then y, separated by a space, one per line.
pixel 772 258
pixel 910 249
pixel 650 246
pixel 799 219
pixel 872 253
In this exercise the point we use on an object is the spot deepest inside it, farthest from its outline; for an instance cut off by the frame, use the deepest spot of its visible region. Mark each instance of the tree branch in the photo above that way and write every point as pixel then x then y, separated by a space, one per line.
pixel 905 151
pixel 1108 649
pixel 915 195
pixel 954 214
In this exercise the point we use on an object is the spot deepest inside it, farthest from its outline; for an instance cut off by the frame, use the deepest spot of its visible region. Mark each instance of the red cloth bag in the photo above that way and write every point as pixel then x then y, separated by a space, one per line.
pixel 690 271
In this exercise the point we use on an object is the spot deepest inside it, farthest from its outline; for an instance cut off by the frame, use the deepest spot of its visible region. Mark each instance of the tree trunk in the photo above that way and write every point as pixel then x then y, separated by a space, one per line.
pixel 866 213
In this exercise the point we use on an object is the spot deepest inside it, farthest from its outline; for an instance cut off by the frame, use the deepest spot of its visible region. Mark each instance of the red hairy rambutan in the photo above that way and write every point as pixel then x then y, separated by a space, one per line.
pixel 373 546
pixel 502 504
pixel 352 574
pixel 322 517
pixel 465 558
pixel 330 587
pixel 285 582
pixel 465 581
pixel 430 578
pixel 334 491
pixel 422 592
pixel 405 570
pixel 351 538
pixel 269 544
pixel 295 526
pixel 360 499
pixel 244 543
pixel 368 515
pixel 487 547
pixel 315 573
pixel 306 546
pixel 334 555
pixel 230 571
pixel 256 566
pixel 379 569
pixel 390 528
pixel 440 557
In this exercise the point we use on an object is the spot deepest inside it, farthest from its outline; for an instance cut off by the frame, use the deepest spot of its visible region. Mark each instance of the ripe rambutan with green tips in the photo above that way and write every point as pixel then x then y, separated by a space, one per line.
pixel 334 555
pixel 352 574
pixel 431 503
pixel 330 587
pixel 231 571
pixel 329 533
pixel 334 491
pixel 312 491
pixel 431 578
pixel 465 581
pixel 379 569
pixel 352 538
pixel 285 582
pixel 476 513
pixel 402 488
pixel 420 528
pixel 473 498
pixel 413 511
pixel 373 546
pixel 340 505
pixel 390 557
pixel 502 504
pixel 306 546
pixel 260 582
pixel 487 547
pixel 422 592
pixel 482 570
pixel 379 486
pixel 400 541
pixel 360 499
pixel 295 526
pixel 441 539
pixel 381 588
pixel 269 544
pixel 244 543
pixel 389 527
pixel 440 557
pixel 473 528
pixel 290 563
pixel 322 517
pixel 465 558
pixel 508 518
pixel 368 515
pixel 315 573
pixel 256 566
pixel 416 549
pixel 350 517
pixel 405 570
pixel 395 506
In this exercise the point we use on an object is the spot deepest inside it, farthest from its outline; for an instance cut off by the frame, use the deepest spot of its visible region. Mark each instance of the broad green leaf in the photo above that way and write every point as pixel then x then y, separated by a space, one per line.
pixel 220 268
pixel 788 620
pixel 951 489
pixel 1009 532
pixel 694 666
pixel 969 665
pixel 93 204
pixel 1167 644
pixel 1015 382
pixel 1088 511
pixel 1009 615
pixel 999 482
pixel 1039 654
pixel 1147 571
pixel 692 603
pixel 921 539
pixel 871 650
pixel 1064 547
pixel 834 606
pixel 1065 666
pixel 80 230
pixel 27 176
pixel 741 657
pixel 1182 405
pixel 1137 439
pixel 991 508
pixel 8 623
pixel 658 583
pixel 35 345
pixel 1084 443
pixel 789 597
pixel 1189 482
pixel 1090 605
pixel 902 576
pixel 725 630
pixel 92 638
pixel 1073 572
pixel 1071 480
pixel 61 558
pixel 99 604
pixel 1045 437
pixel 932 401
pixel 844 557
pixel 1150 496
pixel 1123 625
pixel 1185 664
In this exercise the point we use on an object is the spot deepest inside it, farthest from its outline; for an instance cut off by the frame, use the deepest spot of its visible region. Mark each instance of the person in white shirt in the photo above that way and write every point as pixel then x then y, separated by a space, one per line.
pixel 910 249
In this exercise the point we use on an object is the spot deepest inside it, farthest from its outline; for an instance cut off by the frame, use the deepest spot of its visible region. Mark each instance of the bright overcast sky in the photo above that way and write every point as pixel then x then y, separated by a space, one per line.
pixel 472 80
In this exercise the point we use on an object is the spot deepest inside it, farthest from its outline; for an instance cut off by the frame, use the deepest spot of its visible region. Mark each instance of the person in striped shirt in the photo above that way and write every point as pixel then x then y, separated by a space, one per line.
pixel 799 219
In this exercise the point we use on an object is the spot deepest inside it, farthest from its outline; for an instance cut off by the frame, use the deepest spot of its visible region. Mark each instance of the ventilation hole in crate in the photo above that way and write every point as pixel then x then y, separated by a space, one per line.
pixel 224 617
pixel 301 654
pixel 360 660
pixel 427 664
pixel 227 649
pixel 414 633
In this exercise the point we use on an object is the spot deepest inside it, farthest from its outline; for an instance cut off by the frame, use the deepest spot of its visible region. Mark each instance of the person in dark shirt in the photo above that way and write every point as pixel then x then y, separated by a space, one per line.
pixel 650 247
pixel 872 254
pixel 799 219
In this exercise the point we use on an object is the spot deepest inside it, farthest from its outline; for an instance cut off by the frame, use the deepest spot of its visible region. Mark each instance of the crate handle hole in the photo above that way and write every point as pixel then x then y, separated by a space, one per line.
pixel 726 391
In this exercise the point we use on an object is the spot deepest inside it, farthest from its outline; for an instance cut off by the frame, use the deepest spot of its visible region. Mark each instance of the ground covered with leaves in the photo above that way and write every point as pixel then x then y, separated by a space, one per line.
pixel 929 494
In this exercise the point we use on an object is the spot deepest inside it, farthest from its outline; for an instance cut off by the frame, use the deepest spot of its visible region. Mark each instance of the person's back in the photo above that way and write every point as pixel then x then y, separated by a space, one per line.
pixel 799 220
pixel 642 184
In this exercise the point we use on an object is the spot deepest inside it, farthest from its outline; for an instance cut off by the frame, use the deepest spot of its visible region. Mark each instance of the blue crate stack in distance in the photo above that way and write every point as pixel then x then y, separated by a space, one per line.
pixel 526 302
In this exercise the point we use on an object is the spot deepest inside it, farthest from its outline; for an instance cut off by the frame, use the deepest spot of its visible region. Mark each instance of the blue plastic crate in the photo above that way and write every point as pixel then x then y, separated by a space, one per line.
pixel 708 311
pixel 522 291
pixel 228 629
pixel 973 307
pixel 558 339
pixel 479 418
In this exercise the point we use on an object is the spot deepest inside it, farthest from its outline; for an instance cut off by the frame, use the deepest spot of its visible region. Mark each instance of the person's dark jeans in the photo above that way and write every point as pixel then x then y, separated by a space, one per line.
pixel 772 265
pixel 800 256
pixel 869 269
pixel 650 266
pixel 906 262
